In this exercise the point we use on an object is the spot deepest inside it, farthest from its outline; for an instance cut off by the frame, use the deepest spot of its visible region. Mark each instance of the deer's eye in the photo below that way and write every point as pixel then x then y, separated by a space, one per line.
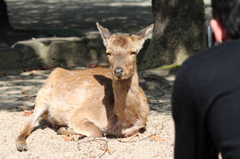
pixel 108 54
pixel 133 53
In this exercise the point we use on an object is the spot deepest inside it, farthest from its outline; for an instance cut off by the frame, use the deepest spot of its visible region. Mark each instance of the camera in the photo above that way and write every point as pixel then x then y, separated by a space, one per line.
pixel 209 39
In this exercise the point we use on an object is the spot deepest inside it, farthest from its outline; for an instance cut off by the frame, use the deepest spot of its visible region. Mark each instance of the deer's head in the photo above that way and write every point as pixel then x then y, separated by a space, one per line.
pixel 122 50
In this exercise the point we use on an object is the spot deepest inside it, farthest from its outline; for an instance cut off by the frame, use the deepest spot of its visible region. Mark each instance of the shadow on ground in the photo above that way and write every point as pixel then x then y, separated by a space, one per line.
pixel 65 18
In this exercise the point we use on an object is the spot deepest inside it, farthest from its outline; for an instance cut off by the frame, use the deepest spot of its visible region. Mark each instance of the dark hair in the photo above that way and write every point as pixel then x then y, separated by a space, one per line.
pixel 227 13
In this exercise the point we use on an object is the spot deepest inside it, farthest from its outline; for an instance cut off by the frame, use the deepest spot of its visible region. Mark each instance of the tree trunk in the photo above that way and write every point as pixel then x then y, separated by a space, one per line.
pixel 177 34
pixel 5 25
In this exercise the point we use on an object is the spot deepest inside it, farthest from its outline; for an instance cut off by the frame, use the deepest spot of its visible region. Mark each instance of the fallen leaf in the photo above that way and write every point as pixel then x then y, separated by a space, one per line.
pixel 48 67
pixel 68 138
pixel 128 139
pixel 19 78
pixel 24 92
pixel 27 113
pixel 108 150
pixel 33 71
pixel 98 66
pixel 31 74
pixel 93 66
pixel 90 66
pixel 156 138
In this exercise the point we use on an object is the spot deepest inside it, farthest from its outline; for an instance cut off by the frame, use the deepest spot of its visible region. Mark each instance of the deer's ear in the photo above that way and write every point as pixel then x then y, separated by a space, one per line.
pixel 105 33
pixel 143 34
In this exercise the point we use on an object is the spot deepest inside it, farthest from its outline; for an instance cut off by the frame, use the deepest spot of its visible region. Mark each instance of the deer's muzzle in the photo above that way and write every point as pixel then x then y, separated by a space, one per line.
pixel 118 71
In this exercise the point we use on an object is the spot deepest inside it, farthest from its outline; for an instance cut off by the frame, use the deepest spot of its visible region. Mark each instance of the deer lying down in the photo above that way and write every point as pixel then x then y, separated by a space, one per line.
pixel 98 101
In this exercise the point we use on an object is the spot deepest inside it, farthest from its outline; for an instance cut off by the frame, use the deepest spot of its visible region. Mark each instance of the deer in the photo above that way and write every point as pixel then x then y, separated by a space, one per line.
pixel 95 102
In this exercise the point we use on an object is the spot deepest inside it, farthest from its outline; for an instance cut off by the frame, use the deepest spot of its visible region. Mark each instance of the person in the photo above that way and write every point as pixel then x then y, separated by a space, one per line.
pixel 206 92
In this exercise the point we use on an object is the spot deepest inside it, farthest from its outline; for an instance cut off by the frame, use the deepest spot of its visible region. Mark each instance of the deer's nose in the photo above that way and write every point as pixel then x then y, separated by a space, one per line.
pixel 118 71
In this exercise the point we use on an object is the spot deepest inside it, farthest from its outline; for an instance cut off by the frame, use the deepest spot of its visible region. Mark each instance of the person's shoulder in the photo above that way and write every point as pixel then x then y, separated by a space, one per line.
pixel 215 53
pixel 211 57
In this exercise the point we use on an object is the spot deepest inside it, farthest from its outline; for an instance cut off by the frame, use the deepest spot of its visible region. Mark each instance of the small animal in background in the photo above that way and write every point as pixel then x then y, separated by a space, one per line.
pixel 95 102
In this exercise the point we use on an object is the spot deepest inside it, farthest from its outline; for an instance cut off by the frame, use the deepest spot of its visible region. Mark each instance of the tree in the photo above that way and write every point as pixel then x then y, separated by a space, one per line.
pixel 5 26
pixel 177 34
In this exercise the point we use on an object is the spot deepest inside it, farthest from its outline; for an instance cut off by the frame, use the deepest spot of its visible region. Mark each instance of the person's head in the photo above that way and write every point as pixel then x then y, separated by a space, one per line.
pixel 226 19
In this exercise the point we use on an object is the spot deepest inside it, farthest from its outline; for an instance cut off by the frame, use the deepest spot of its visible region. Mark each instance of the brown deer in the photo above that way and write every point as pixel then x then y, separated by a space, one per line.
pixel 95 102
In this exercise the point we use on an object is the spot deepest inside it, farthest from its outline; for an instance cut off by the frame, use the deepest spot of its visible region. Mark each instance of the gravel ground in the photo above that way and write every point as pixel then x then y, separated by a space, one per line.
pixel 18 91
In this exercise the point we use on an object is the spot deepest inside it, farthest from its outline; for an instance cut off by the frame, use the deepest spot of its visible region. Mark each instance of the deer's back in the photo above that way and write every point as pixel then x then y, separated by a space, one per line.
pixel 65 91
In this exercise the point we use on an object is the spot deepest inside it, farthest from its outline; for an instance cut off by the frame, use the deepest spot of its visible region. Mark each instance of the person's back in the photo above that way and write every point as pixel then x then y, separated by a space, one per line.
pixel 206 94
pixel 206 101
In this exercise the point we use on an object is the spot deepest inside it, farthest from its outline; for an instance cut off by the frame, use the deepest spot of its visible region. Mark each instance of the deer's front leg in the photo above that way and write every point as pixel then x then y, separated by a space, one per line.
pixel 21 143
pixel 80 123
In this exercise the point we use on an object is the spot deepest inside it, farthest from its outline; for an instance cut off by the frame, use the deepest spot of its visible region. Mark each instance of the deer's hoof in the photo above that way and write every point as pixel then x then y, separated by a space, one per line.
pixel 61 131
pixel 21 144
pixel 22 147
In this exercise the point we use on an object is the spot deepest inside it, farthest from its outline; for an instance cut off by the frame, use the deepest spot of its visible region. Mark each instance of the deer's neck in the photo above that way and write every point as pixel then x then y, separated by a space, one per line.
pixel 126 98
